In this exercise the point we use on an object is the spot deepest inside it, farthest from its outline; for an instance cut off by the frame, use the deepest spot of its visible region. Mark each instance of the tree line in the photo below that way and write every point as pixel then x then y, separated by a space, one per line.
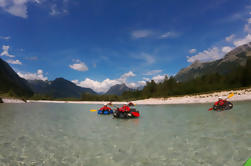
pixel 240 77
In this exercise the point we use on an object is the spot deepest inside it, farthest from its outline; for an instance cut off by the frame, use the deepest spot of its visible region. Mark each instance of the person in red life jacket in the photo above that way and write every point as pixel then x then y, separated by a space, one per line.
pixel 125 108
pixel 220 102
pixel 104 108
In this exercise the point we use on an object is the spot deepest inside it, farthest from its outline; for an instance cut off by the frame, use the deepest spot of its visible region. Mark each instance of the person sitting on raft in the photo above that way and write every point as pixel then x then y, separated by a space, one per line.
pixel 105 108
pixel 125 108
pixel 220 102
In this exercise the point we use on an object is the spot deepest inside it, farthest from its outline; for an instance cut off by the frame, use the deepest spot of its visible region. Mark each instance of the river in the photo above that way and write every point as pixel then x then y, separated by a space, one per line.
pixel 45 134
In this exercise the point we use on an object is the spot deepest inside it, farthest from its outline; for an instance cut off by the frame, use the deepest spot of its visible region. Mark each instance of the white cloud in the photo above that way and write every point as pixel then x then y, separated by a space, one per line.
pixel 33 76
pixel 103 86
pixel 159 78
pixel 242 41
pixel 141 34
pixel 14 62
pixel 6 52
pixel 16 7
pixel 206 55
pixel 124 77
pixel 149 59
pixel 192 51
pixel 247 26
pixel 19 8
pixel 135 85
pixel 129 74
pixel 146 79
pixel 5 37
pixel 168 35
pixel 153 72
pixel 79 66
pixel 55 10
pixel 230 38
pixel 226 49
pixel 137 34
pixel 97 86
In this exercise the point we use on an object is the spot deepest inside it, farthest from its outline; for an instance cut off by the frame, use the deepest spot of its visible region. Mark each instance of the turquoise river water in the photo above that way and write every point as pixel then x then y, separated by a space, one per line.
pixel 43 134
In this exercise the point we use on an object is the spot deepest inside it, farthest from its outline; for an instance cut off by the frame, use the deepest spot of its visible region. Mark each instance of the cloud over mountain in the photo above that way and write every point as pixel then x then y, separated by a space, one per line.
pixel 103 86
pixel 206 55
pixel 39 75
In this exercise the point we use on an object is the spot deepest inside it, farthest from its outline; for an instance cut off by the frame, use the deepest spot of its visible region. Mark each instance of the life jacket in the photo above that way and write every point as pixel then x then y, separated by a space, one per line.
pixel 220 102
pixel 105 108
pixel 125 108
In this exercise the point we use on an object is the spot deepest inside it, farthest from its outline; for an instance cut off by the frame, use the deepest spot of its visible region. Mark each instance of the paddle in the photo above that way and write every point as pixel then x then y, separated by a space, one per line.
pixel 92 110
pixel 229 96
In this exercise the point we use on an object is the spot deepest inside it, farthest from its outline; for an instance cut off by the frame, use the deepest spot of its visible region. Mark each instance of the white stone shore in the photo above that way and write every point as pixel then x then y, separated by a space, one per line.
pixel 239 95
pixel 9 100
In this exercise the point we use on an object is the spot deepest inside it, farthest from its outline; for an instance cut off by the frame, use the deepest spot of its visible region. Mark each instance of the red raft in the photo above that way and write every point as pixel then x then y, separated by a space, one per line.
pixel 132 113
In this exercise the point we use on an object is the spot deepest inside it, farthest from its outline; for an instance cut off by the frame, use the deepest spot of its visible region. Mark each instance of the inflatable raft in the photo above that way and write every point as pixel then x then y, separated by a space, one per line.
pixel 226 106
pixel 133 113
pixel 105 112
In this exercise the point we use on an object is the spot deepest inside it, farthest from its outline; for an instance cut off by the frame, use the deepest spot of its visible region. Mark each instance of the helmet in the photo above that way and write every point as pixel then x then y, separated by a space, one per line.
pixel 220 98
pixel 131 104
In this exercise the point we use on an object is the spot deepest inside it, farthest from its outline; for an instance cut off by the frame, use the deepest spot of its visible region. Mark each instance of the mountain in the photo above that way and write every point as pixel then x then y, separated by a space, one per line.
pixel 58 88
pixel 117 89
pixel 140 88
pixel 235 58
pixel 11 83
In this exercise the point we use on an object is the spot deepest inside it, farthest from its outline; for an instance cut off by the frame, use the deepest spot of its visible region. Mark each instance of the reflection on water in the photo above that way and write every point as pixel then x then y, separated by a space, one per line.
pixel 173 135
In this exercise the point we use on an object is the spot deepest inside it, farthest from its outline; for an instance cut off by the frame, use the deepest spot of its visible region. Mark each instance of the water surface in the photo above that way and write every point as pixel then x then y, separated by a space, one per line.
pixel 175 135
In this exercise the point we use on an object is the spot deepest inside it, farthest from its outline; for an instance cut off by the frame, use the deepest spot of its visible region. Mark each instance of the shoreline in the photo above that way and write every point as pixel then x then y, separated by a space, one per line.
pixel 11 100
pixel 239 95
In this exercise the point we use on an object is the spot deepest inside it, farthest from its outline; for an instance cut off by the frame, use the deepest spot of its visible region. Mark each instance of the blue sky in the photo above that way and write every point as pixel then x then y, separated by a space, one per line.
pixel 99 43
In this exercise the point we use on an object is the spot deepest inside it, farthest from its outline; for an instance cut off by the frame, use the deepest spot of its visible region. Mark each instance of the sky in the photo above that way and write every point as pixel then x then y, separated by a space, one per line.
pixel 100 43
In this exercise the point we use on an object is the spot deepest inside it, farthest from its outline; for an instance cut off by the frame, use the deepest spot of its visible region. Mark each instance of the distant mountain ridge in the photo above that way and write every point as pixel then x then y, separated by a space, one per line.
pixel 58 88
pixel 10 82
pixel 118 89
pixel 235 58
